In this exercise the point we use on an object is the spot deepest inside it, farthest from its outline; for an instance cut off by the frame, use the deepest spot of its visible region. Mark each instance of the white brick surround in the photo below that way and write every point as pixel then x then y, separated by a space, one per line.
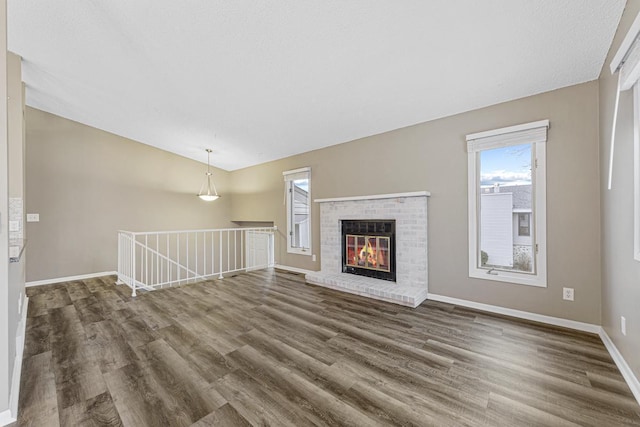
pixel 409 210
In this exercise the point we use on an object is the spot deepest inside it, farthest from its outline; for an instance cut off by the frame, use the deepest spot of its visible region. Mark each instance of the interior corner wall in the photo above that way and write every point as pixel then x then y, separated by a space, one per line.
pixel 5 321
pixel 87 184
pixel 432 156
pixel 15 139
pixel 620 272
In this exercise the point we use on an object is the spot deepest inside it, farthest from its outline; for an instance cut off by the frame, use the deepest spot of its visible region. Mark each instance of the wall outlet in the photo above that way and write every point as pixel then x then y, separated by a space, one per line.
pixel 623 325
pixel 33 217
pixel 567 294
pixel 313 257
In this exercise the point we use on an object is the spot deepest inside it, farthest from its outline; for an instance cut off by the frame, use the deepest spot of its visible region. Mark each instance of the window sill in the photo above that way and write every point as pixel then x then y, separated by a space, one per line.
pixel 306 251
pixel 514 278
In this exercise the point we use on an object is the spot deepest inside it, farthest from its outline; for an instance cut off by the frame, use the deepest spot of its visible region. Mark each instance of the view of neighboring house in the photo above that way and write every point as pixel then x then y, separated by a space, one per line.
pixel 506 226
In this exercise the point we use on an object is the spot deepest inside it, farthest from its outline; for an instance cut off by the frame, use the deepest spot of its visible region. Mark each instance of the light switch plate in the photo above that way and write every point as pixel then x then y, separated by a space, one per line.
pixel 14 225
pixel 14 251
pixel 33 217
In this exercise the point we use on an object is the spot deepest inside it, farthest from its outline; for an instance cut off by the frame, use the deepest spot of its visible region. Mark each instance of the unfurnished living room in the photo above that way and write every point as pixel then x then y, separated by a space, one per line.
pixel 300 213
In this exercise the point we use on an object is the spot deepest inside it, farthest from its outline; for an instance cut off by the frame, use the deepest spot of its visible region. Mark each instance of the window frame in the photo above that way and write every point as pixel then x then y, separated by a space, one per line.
pixel 636 171
pixel 289 178
pixel 528 133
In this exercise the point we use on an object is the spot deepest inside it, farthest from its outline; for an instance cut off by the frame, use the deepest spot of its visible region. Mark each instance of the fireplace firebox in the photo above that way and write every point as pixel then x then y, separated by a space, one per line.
pixel 368 248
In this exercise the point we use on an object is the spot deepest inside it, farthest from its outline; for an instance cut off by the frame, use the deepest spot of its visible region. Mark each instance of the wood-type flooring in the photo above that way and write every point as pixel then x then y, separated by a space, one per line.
pixel 264 348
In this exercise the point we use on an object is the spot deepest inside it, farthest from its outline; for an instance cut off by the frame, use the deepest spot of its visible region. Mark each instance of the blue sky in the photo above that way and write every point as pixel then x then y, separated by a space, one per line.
pixel 506 166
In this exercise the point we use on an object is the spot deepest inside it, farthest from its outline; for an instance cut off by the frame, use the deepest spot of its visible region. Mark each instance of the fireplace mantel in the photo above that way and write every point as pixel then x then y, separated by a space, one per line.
pixel 376 197
pixel 409 211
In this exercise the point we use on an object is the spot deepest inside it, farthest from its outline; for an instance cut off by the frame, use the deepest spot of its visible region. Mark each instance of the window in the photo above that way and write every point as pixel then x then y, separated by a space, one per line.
pixel 298 202
pixel 626 63
pixel 507 208
pixel 524 228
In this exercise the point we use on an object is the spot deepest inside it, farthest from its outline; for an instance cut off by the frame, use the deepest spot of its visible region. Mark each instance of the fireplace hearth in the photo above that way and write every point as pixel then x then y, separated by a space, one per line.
pixel 368 248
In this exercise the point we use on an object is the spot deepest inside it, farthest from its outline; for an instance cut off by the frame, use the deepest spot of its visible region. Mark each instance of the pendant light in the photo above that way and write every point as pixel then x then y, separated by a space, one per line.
pixel 209 195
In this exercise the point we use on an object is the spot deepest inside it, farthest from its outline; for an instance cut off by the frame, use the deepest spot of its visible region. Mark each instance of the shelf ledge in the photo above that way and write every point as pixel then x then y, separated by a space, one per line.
pixel 375 196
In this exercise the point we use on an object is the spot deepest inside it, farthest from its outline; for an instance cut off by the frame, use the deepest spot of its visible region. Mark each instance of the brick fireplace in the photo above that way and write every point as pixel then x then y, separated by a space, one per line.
pixel 408 214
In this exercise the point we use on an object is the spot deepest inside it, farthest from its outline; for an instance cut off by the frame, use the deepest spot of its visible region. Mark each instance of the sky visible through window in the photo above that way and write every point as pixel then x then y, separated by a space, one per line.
pixel 506 166
pixel 302 183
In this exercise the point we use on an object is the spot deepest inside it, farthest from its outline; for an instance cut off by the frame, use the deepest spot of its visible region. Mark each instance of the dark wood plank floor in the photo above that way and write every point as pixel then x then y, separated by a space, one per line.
pixel 263 348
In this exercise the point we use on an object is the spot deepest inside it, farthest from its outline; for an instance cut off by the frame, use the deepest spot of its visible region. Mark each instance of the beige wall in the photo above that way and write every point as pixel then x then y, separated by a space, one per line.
pixel 431 156
pixel 16 128
pixel 87 184
pixel 620 272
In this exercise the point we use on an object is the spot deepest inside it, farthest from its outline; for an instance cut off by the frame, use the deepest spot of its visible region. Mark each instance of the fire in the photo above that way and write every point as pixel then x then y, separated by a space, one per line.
pixel 367 252
pixel 369 256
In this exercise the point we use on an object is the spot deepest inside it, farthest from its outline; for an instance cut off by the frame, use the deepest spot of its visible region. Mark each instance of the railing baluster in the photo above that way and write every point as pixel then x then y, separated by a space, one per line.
pixel 203 276
pixel 146 261
pixel 220 235
pixel 127 260
pixel 157 263
pixel 150 281
pixel 119 255
pixel 213 240
pixel 187 258
pixel 133 265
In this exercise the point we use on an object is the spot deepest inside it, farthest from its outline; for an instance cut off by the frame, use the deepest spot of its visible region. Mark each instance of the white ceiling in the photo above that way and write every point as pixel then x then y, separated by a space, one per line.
pixel 261 80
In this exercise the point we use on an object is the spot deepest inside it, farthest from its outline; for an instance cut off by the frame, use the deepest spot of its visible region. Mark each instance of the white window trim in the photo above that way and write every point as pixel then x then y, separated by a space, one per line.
pixel 289 177
pixel 530 133
pixel 636 172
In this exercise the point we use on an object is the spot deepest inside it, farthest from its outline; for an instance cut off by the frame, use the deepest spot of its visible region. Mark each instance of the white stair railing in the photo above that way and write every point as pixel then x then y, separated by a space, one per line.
pixel 152 260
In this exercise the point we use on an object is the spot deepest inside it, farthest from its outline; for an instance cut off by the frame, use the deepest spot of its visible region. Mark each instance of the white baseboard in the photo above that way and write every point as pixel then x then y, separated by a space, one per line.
pixel 69 278
pixel 622 365
pixel 556 321
pixel 292 269
pixel 11 415
pixel 5 418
